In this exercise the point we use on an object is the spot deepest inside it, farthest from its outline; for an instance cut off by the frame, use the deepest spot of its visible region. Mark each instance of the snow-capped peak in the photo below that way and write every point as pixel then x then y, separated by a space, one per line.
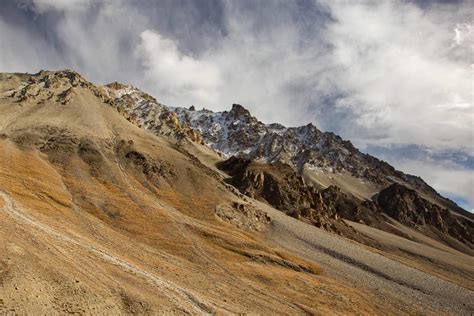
pixel 238 133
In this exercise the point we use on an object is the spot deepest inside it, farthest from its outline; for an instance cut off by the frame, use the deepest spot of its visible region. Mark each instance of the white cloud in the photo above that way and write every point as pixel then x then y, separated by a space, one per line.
pixel 464 32
pixel 402 75
pixel 175 76
pixel 263 60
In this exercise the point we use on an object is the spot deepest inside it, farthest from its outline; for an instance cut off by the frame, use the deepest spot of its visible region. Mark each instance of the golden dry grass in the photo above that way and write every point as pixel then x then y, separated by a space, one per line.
pixel 230 270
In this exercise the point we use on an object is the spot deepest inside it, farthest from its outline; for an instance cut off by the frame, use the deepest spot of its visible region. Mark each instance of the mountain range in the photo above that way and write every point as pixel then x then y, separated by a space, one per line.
pixel 322 160
pixel 114 203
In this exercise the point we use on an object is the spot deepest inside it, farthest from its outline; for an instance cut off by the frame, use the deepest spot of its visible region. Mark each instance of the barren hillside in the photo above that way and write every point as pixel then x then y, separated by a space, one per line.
pixel 102 216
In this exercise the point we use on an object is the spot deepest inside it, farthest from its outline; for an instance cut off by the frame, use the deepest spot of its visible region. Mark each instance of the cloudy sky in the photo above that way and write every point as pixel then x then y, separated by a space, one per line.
pixel 394 77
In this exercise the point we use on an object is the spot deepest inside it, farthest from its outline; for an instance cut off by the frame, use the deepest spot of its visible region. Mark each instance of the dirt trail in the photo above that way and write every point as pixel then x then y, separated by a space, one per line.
pixel 350 261
pixel 179 296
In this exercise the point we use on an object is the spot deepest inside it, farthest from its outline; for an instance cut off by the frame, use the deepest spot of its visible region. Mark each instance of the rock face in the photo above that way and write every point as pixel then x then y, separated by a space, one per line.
pixel 243 216
pixel 144 111
pixel 237 132
pixel 406 206
pixel 280 186
pixel 46 85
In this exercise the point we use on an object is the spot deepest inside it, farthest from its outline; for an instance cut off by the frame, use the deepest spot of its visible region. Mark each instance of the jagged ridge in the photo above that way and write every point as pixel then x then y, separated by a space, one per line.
pixel 237 132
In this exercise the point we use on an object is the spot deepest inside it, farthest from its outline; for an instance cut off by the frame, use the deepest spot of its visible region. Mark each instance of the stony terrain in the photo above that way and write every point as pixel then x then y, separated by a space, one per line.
pixel 282 187
pixel 111 203
pixel 299 153
pixel 391 280
pixel 407 207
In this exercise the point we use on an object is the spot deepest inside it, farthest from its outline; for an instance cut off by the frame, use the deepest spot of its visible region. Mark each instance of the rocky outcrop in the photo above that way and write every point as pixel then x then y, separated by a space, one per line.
pixel 280 186
pixel 144 111
pixel 61 84
pixel 409 208
pixel 243 216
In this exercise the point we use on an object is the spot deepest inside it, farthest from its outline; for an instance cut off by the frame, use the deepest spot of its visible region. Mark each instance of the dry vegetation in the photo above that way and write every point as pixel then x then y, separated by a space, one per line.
pixel 100 217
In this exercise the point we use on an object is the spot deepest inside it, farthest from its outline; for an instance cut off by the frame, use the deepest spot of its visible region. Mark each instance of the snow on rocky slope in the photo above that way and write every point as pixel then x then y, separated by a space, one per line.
pixel 238 133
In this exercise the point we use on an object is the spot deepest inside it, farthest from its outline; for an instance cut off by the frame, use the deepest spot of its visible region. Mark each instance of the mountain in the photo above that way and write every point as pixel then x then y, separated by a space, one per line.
pixel 323 160
pixel 112 203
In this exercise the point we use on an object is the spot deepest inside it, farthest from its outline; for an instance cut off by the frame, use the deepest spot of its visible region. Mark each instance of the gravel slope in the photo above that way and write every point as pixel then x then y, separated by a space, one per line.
pixel 391 281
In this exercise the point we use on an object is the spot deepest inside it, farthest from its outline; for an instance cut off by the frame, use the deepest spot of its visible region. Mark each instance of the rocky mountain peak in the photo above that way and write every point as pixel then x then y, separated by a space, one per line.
pixel 238 115
pixel 44 85
pixel 70 160
pixel 238 110
pixel 276 126
pixel 60 76
pixel 145 111
pixel 237 132
pixel 118 86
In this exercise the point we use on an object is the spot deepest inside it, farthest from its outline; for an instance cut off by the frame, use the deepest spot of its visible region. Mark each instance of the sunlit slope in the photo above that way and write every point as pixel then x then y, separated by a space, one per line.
pixel 99 216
